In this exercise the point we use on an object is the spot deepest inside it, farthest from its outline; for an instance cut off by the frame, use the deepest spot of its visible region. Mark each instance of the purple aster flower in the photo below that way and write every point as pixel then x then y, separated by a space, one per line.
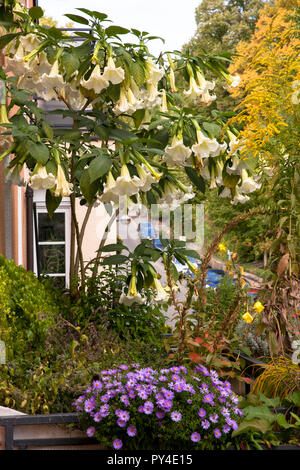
pixel 148 407
pixel 159 396
pixel 123 367
pixel 208 398
pixel 105 398
pixel 131 394
pixel 97 385
pixel 222 399
pixel 124 415
pixel 225 411
pixel 98 417
pixel 234 399
pixel 214 418
pixel 195 437
pixel 175 377
pixel 90 431
pixel 205 424
pixel 160 414
pixel 162 378
pixel 141 409
pixel 202 413
pixel 217 433
pixel 226 429
pixel 168 393
pixel 179 387
pixel 89 405
pixel 117 443
pixel 143 395
pixel 176 416
pixel 121 423
pixel 175 369
pixel 189 402
pixel 131 431
pixel 167 405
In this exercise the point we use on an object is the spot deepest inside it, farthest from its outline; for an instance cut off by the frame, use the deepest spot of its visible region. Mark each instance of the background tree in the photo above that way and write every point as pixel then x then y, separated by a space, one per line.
pixel 269 120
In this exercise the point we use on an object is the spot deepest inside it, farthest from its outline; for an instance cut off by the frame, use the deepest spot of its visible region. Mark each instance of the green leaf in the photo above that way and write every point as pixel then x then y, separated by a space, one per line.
pixel 36 12
pixel 77 19
pixel 262 412
pixel 255 425
pixel 191 253
pixel 138 73
pixel 211 128
pixel 115 30
pixel 196 179
pixel 113 247
pixel 70 63
pixel 115 259
pixel 282 421
pixel 88 189
pixel 7 38
pixel 295 398
pixel 39 152
pixel 52 203
pixel 99 167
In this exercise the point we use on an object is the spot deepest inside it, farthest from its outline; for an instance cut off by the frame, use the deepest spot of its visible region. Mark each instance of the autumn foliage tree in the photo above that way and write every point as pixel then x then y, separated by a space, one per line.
pixel 269 122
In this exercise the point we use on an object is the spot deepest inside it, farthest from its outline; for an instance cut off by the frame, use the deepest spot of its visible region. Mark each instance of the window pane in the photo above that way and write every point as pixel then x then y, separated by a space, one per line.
pixel 51 229
pixel 58 282
pixel 52 259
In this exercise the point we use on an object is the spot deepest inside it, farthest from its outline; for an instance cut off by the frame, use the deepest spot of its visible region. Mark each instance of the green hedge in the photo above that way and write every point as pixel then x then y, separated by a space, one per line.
pixel 27 309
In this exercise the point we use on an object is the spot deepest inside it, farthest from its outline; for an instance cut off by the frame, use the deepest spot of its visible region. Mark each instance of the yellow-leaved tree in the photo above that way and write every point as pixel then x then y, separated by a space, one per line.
pixel 268 121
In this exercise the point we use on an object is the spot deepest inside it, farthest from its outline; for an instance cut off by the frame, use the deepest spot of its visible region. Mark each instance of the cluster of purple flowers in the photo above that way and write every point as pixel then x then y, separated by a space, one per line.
pixel 126 394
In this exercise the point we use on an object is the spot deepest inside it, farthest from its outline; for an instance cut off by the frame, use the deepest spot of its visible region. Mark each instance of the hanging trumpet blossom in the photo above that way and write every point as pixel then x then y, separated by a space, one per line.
pixel 161 296
pixel 96 81
pixel 112 73
pixel 248 184
pixel 177 152
pixel 205 147
pixel 146 178
pixel 125 185
pixel 41 179
pixel 63 187
pixel 133 295
pixel 108 195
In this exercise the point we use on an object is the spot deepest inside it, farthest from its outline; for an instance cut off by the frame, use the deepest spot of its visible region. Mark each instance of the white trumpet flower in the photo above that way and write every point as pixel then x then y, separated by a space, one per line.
pixel 177 152
pixel 108 195
pixel 29 42
pixel 131 299
pixel 53 79
pixel 194 91
pixel 154 73
pixel 112 73
pixel 146 178
pixel 96 81
pixel 41 179
pixel 63 188
pixel 248 184
pixel 161 294
pixel 126 185
pixel 205 147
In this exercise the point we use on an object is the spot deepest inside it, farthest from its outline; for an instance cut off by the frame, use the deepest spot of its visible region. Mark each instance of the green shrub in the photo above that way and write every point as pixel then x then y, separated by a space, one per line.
pixel 100 302
pixel 27 309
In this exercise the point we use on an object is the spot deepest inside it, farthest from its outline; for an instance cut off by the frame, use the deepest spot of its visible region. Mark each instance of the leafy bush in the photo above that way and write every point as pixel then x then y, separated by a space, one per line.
pixel 265 423
pixel 27 309
pixel 170 408
pixel 49 381
pixel 100 302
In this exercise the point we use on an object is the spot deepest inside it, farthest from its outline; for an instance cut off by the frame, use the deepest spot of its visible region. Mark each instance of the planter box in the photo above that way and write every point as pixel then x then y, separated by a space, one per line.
pixel 43 432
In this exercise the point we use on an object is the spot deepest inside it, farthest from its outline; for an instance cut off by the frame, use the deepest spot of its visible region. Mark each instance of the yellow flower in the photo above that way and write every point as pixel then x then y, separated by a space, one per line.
pixel 221 247
pixel 242 270
pixel 247 317
pixel 258 307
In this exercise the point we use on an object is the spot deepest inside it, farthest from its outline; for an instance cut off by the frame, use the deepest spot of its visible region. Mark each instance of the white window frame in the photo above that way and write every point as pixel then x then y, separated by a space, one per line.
pixel 65 208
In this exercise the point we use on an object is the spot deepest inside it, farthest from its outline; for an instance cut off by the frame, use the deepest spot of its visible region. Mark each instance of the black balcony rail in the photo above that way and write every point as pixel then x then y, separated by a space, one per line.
pixel 10 422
